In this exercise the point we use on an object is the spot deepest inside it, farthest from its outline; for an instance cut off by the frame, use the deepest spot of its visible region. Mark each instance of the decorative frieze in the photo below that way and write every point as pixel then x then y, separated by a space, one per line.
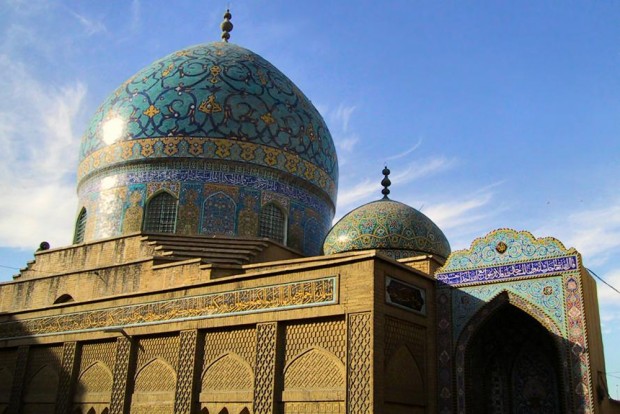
pixel 301 294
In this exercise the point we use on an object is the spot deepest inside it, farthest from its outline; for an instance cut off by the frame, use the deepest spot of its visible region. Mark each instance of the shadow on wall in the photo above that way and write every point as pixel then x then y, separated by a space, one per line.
pixel 141 374
pixel 53 378
pixel 509 356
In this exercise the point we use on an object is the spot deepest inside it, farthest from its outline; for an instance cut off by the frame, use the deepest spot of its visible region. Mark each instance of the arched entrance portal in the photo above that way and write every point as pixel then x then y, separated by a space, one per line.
pixel 512 366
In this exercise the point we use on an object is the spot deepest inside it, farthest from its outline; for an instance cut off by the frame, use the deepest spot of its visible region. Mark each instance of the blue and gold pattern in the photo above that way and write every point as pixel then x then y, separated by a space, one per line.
pixel 390 226
pixel 507 253
pixel 217 101
pixel 202 189
pixel 539 276
pixel 220 129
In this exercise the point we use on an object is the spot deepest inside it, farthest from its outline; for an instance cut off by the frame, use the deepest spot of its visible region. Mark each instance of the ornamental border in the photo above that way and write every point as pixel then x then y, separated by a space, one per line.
pixel 510 271
pixel 293 295
pixel 207 148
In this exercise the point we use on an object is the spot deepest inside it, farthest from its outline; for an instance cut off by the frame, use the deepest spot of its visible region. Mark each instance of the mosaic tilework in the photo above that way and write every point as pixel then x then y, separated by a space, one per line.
pixel 212 200
pixel 506 246
pixel 217 98
pixel 514 270
pixel 546 293
pixel 580 377
pixel 117 154
pixel 218 215
pixel 388 225
pixel 539 276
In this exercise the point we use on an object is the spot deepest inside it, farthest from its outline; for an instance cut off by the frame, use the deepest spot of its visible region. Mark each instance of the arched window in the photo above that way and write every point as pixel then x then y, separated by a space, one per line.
pixel 64 298
pixel 161 214
pixel 80 227
pixel 272 223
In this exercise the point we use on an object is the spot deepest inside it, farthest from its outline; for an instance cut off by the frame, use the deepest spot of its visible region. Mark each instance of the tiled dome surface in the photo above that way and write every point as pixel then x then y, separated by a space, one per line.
pixel 214 101
pixel 223 142
pixel 391 226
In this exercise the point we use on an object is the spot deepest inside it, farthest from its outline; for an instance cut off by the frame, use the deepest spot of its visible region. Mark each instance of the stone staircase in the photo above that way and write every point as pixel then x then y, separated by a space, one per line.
pixel 216 250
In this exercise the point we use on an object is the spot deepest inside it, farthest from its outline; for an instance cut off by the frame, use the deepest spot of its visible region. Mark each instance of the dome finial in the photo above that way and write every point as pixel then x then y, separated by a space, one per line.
pixel 226 26
pixel 385 183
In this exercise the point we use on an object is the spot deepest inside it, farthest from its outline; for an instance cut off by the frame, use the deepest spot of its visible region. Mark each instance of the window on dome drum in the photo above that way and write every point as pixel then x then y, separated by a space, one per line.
pixel 161 214
pixel 272 223
pixel 218 215
pixel 80 227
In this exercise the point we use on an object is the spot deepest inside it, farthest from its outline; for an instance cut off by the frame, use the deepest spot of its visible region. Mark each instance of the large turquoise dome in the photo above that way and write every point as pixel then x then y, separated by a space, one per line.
pixel 222 132
pixel 217 101
pixel 394 228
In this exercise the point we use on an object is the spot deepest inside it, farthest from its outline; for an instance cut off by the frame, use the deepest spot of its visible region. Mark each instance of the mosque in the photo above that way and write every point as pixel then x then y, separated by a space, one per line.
pixel 205 275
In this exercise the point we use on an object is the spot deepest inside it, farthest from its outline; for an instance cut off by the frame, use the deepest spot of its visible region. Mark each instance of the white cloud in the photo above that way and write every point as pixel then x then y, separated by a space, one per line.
pixel 458 213
pixel 363 190
pixel 418 169
pixel 341 116
pixel 353 195
pixel 136 20
pixel 606 295
pixel 406 152
pixel 36 176
pixel 347 143
pixel 594 232
pixel 28 7
pixel 339 119
pixel 90 26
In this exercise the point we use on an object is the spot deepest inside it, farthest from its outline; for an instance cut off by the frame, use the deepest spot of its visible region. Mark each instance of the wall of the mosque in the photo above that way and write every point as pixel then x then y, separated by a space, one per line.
pixel 327 334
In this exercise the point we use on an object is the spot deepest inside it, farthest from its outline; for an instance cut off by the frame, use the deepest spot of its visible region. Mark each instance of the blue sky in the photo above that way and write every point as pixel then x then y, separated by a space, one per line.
pixel 489 114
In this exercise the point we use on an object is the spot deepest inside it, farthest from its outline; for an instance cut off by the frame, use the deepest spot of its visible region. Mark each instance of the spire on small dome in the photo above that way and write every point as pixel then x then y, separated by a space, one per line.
pixel 385 183
pixel 226 26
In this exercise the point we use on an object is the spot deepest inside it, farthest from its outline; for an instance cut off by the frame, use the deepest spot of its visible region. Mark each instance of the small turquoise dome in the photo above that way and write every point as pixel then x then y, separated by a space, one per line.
pixel 389 226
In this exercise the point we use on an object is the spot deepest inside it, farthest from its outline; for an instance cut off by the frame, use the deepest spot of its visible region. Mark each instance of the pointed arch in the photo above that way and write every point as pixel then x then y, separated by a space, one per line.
pixel 227 375
pixel 315 369
pixel 161 213
pixel 154 384
pixel 95 384
pixel 244 411
pixel 315 378
pixel 219 215
pixel 91 411
pixel 404 379
pixel 272 223
pixel 155 376
pixel 42 386
pixel 80 227
pixel 505 298
pixel 483 375
pixel 64 298
pixel 223 411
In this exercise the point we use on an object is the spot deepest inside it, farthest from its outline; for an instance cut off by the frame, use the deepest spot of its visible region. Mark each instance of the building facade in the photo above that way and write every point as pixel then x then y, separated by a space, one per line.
pixel 205 276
